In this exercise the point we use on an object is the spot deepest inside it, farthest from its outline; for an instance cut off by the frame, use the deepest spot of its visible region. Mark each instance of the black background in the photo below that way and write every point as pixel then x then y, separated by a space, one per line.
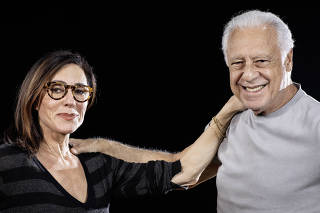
pixel 160 70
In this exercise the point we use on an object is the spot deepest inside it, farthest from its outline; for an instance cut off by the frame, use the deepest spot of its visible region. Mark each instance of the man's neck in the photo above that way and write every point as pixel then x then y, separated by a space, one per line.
pixel 283 97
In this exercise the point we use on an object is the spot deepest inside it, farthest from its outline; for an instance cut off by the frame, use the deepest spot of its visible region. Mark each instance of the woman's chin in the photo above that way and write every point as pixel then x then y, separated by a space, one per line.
pixel 67 131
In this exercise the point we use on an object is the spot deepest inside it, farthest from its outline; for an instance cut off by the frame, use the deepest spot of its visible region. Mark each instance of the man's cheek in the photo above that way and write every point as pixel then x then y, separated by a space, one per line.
pixel 234 88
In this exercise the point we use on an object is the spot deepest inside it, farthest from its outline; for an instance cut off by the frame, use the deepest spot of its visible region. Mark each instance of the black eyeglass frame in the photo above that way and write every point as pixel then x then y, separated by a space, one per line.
pixel 66 86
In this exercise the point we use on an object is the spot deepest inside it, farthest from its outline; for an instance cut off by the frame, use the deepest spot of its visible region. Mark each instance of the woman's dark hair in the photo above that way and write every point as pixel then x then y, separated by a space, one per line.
pixel 28 134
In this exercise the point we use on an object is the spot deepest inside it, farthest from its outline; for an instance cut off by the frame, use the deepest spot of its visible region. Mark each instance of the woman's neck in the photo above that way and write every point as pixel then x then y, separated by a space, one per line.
pixel 54 149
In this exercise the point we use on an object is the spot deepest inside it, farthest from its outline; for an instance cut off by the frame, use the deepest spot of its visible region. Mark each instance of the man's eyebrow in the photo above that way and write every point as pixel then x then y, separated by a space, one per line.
pixel 236 58
pixel 263 56
pixel 255 57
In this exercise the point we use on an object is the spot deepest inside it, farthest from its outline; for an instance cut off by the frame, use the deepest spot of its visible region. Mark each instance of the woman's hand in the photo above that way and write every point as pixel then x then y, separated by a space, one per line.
pixel 224 116
pixel 234 105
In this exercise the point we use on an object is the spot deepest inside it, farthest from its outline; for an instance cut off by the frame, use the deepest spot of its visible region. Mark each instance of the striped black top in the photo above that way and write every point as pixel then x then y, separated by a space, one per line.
pixel 26 186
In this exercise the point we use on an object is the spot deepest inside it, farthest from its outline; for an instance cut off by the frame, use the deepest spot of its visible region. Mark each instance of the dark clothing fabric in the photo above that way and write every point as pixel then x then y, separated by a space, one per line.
pixel 26 186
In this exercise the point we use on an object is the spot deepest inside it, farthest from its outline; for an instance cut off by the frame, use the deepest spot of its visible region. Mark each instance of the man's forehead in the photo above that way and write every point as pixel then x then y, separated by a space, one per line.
pixel 263 27
pixel 253 56
pixel 253 34
pixel 252 41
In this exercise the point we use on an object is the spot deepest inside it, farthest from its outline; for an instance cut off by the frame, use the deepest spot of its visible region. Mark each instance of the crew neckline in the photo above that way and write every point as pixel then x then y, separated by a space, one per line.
pixel 283 108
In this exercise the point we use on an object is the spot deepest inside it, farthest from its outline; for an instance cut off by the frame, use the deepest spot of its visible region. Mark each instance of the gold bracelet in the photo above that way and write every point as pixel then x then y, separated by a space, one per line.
pixel 219 126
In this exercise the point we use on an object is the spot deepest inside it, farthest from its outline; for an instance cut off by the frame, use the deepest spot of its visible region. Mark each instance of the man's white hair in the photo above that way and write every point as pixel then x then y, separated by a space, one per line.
pixel 257 18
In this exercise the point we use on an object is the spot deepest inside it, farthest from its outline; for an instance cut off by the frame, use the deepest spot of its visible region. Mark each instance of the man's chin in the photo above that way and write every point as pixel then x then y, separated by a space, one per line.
pixel 258 112
pixel 256 109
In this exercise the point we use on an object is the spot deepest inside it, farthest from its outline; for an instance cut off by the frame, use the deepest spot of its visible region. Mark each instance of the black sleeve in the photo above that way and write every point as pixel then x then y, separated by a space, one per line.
pixel 154 177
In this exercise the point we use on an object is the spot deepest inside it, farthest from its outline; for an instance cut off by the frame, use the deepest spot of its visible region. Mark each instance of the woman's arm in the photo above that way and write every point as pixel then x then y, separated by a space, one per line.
pixel 195 159
pixel 199 156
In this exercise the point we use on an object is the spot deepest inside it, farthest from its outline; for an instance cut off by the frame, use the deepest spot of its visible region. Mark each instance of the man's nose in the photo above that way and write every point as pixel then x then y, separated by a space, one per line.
pixel 249 72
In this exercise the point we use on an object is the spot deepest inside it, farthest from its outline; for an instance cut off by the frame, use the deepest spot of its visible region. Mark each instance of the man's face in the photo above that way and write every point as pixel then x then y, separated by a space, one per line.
pixel 255 66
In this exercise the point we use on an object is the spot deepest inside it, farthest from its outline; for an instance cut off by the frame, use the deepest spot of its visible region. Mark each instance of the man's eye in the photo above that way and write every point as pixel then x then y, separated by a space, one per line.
pixel 262 61
pixel 236 63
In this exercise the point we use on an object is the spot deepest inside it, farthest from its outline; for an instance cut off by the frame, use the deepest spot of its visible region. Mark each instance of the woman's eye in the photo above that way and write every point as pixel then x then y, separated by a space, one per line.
pixel 80 91
pixel 57 90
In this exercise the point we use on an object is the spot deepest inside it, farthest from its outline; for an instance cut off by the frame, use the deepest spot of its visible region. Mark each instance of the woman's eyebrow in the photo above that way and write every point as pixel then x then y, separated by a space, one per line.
pixel 59 81
pixel 78 84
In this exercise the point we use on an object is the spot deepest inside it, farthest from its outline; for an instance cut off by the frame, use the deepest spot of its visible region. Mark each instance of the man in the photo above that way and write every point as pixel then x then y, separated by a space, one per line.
pixel 270 160
pixel 269 157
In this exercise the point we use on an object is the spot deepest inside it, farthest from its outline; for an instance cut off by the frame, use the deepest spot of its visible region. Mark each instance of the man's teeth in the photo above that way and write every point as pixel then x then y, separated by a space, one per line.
pixel 255 89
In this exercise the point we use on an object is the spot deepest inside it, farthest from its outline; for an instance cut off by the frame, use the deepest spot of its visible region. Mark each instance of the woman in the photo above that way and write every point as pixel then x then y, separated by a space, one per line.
pixel 38 173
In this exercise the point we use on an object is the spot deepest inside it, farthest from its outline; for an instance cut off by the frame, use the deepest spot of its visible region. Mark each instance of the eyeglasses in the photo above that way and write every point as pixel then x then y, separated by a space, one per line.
pixel 57 90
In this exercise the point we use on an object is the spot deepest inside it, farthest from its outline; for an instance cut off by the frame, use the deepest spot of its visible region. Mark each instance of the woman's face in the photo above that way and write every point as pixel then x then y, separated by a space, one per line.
pixel 63 116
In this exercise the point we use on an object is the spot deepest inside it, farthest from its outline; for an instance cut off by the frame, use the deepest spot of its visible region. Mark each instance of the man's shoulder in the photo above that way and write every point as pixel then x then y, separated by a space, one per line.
pixel 309 105
pixel 310 100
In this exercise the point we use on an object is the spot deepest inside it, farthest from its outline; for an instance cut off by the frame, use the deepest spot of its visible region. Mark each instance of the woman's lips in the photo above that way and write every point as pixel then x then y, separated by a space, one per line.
pixel 67 116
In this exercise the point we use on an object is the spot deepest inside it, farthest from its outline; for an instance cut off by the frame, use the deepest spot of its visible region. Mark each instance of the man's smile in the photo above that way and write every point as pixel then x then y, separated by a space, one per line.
pixel 253 89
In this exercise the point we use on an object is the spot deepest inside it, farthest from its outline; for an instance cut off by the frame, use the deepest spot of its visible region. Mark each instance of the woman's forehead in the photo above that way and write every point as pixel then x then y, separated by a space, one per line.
pixel 70 74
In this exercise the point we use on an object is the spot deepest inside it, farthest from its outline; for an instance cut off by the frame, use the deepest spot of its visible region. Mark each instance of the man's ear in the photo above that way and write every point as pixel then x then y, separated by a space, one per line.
pixel 289 61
